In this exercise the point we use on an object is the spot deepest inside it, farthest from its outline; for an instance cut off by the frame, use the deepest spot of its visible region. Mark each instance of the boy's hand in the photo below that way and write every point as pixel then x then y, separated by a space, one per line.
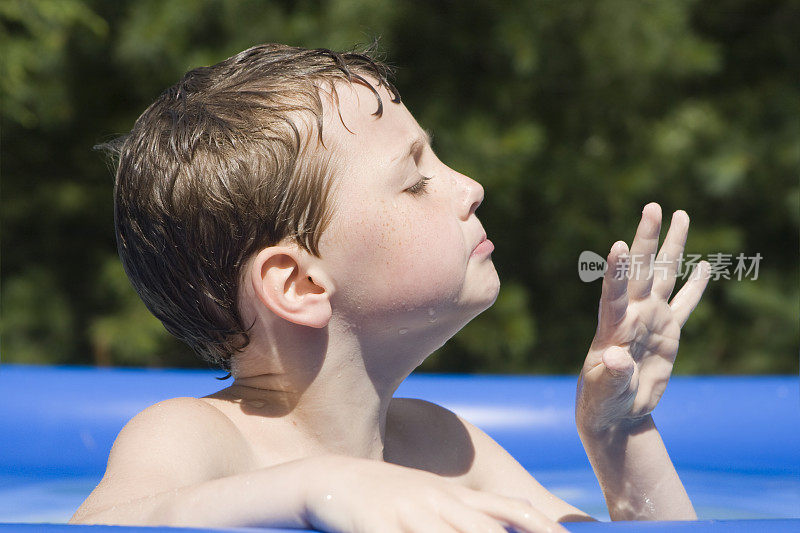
pixel 364 496
pixel 631 357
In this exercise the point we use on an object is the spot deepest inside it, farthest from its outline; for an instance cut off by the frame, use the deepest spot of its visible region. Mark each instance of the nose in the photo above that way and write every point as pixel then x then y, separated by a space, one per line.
pixel 470 197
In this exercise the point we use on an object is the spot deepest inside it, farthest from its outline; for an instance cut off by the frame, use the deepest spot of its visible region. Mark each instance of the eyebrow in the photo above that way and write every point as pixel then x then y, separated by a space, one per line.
pixel 426 138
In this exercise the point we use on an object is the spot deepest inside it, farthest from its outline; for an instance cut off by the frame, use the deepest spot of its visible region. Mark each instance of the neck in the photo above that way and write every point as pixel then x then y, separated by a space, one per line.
pixel 333 396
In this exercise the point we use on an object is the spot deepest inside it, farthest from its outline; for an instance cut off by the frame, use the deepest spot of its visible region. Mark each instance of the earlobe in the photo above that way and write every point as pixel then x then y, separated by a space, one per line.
pixel 281 283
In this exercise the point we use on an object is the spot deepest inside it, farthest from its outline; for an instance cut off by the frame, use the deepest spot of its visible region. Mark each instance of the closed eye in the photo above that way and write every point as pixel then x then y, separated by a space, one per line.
pixel 419 187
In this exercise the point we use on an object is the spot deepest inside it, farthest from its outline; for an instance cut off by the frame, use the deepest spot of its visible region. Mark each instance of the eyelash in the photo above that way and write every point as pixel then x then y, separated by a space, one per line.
pixel 420 186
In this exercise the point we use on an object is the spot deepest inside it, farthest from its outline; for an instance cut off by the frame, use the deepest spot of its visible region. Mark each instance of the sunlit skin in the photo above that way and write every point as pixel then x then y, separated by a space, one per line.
pixel 627 369
pixel 337 334
pixel 309 434
pixel 638 327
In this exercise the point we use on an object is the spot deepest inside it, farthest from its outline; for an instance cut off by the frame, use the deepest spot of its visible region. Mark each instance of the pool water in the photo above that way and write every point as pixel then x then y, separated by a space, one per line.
pixel 734 441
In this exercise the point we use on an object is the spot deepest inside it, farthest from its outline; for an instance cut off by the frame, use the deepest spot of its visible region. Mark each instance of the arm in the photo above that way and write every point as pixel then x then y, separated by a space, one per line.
pixel 636 474
pixel 329 493
pixel 272 496
pixel 497 471
pixel 183 463
pixel 178 463
pixel 627 369
pixel 472 458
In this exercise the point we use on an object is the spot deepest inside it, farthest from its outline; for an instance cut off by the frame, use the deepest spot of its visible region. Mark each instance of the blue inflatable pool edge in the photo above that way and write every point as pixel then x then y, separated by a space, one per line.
pixel 729 437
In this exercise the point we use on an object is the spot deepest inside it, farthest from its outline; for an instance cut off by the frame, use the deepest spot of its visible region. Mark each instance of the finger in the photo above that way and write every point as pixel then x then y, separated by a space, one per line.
pixel 613 386
pixel 619 367
pixel 643 251
pixel 424 521
pixel 689 296
pixel 615 376
pixel 514 512
pixel 666 265
pixel 614 294
pixel 468 520
pixel 366 527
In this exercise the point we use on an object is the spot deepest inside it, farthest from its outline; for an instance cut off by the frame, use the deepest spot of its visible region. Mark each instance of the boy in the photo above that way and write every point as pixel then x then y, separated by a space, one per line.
pixel 283 213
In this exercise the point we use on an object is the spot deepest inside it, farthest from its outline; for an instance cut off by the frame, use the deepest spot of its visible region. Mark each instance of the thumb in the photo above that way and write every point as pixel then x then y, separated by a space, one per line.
pixel 619 367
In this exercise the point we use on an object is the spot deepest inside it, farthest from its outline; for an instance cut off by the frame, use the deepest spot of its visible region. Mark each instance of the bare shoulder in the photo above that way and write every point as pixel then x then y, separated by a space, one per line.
pixel 427 436
pixel 433 438
pixel 173 428
pixel 171 444
pixel 431 434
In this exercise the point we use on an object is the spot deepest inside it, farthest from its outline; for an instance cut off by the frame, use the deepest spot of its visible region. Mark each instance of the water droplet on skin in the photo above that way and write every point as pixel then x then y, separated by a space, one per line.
pixel 403 331
pixel 431 311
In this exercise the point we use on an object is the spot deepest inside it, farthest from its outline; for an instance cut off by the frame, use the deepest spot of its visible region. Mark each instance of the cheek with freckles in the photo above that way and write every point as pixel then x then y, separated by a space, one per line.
pixel 406 257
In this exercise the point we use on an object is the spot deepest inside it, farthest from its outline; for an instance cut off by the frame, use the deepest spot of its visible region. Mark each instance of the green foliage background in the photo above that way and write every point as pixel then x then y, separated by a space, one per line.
pixel 572 114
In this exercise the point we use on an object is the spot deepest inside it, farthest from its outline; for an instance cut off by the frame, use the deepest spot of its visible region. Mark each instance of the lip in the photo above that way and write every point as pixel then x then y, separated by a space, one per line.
pixel 484 246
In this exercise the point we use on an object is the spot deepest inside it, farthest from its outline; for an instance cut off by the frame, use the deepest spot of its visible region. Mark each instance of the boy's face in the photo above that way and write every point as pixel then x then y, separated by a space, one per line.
pixel 401 261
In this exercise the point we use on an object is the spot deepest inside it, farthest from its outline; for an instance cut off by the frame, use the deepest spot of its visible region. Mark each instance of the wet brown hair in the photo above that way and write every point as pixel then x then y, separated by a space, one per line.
pixel 215 170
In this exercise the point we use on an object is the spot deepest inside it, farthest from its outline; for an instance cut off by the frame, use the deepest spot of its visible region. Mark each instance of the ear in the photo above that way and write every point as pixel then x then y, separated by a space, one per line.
pixel 287 281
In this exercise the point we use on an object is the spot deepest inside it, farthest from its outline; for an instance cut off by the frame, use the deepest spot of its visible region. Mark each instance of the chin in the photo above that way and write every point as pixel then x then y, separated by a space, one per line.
pixel 490 292
pixel 480 300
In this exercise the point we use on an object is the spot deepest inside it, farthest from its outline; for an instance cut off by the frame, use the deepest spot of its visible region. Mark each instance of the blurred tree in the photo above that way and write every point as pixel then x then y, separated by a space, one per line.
pixel 573 115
